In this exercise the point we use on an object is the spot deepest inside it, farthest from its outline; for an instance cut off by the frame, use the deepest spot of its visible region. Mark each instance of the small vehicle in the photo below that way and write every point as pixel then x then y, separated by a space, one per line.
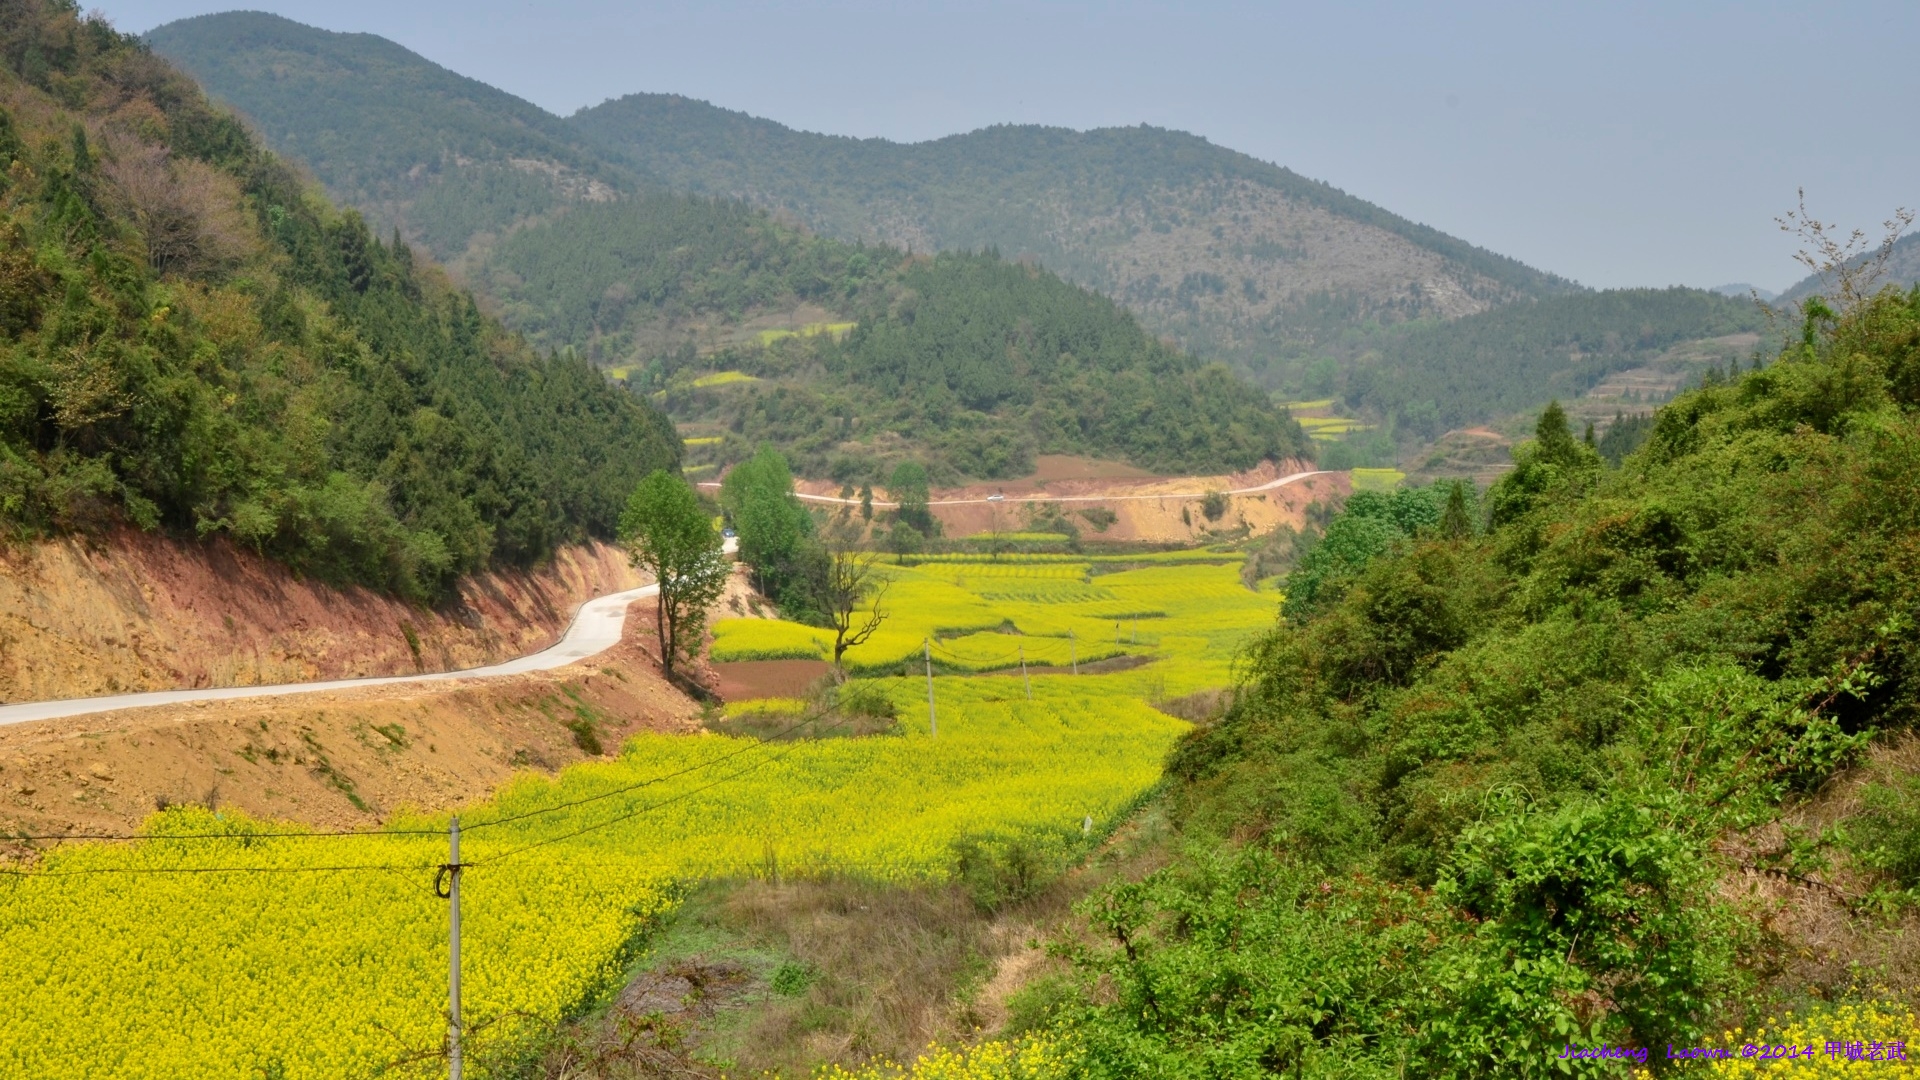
pixel 996 498
pixel 728 533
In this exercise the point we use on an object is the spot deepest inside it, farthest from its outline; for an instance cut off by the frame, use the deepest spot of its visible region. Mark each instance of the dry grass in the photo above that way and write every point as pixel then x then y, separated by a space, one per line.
pixel 868 971
pixel 1823 931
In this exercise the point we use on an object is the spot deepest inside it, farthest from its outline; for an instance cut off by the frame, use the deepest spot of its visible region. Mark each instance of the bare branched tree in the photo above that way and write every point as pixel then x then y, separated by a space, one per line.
pixel 188 213
pixel 1848 269
pixel 850 582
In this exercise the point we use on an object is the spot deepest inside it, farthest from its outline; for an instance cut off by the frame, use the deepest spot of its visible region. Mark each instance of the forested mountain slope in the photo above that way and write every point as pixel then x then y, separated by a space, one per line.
pixel 1232 256
pixel 407 142
pixel 1298 286
pixel 676 285
pixel 191 340
pixel 964 361
pixel 1431 377
pixel 1235 258
pixel 1902 268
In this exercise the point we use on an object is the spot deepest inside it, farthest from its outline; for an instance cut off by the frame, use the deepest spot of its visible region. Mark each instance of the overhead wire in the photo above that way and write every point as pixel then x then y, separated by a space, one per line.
pixel 300 834
pixel 812 716
pixel 644 809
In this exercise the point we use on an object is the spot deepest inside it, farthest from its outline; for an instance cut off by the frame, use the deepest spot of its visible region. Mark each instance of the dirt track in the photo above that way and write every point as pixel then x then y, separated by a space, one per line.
pixel 1146 508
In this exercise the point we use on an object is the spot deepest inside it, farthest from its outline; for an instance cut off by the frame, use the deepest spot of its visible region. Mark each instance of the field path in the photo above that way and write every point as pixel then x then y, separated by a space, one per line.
pixel 1044 498
pixel 596 627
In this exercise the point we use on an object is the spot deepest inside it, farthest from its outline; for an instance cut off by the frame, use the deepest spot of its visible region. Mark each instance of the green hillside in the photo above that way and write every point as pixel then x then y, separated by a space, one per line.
pixel 1582 765
pixel 1901 268
pixel 983 364
pixel 190 340
pixel 966 362
pixel 1233 258
pixel 1432 377
pixel 1300 288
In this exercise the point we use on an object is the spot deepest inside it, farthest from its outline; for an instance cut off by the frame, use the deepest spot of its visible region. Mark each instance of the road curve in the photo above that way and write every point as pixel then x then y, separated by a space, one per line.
pixel 596 628
pixel 1268 486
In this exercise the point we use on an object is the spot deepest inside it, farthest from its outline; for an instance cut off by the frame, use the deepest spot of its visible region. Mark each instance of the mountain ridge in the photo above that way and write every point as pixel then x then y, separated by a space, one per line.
pixel 1141 214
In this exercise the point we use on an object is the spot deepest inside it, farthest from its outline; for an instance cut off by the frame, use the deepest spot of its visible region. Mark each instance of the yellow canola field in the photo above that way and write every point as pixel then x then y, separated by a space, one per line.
pixel 307 974
pixel 339 972
pixel 982 615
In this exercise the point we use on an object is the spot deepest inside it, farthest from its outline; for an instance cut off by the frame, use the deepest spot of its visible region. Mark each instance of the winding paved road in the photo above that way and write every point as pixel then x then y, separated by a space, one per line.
pixel 596 627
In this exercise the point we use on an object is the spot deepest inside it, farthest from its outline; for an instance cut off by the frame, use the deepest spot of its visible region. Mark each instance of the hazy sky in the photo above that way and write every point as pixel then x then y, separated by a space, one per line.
pixel 1618 144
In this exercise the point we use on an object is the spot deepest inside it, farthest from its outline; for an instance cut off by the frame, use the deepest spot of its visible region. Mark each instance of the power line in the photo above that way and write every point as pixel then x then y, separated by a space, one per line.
pixel 583 830
pixel 91 871
pixel 811 718
pixel 315 834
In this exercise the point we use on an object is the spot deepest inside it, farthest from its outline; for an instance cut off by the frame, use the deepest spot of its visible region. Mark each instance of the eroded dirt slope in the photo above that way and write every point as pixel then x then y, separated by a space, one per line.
pixel 332 759
pixel 134 611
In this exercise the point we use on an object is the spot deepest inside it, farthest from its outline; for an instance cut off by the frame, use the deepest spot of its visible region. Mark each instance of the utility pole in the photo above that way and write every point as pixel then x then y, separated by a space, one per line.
pixel 1073 652
pixel 1028 679
pixel 453 950
pixel 1136 629
pixel 933 722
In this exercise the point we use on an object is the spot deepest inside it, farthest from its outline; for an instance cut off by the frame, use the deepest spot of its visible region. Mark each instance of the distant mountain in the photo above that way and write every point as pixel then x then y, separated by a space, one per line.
pixel 1438 376
pixel 1902 269
pixel 1002 361
pixel 1740 290
pixel 568 226
pixel 446 158
pixel 1232 257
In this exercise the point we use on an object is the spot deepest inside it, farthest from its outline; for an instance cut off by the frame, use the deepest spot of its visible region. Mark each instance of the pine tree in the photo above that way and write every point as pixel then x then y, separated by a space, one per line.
pixel 1456 523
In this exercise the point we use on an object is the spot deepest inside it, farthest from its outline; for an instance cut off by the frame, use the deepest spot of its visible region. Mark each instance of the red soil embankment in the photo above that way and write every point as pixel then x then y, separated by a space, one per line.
pixel 338 758
pixel 131 611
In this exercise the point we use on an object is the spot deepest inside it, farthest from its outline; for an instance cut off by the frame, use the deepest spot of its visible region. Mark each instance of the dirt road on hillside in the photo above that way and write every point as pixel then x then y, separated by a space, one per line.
pixel 1043 497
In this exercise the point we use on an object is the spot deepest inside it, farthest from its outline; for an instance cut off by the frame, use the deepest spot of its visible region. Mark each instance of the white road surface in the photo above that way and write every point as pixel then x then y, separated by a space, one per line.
pixel 596 627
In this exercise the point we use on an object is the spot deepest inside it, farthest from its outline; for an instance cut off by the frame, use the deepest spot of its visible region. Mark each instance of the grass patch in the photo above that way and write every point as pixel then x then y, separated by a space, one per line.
pixel 723 378
pixel 1377 479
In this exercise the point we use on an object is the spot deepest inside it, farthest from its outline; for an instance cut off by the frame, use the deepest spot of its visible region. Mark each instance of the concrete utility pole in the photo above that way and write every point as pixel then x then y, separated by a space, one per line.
pixel 933 722
pixel 1073 652
pixel 453 950
pixel 1028 679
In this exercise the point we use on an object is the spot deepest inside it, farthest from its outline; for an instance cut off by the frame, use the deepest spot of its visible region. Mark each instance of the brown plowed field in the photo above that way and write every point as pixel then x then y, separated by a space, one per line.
pixel 744 680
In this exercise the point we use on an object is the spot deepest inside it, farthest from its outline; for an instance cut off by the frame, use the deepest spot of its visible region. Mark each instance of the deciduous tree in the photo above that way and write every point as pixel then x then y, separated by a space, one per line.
pixel 669 535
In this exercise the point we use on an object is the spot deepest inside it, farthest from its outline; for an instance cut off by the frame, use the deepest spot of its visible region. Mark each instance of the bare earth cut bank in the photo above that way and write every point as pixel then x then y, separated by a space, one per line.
pixel 133 611
pixel 338 757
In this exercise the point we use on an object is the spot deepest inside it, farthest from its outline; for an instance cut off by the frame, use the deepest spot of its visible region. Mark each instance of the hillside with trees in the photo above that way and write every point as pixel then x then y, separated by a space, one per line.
pixel 410 144
pixel 569 227
pixel 977 365
pixel 1430 377
pixel 1233 258
pixel 192 341
pixel 1617 760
